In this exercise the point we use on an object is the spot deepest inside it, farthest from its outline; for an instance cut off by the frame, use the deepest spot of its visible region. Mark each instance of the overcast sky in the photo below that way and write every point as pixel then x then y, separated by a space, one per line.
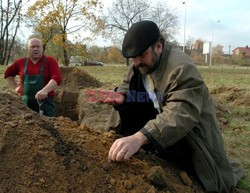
pixel 202 18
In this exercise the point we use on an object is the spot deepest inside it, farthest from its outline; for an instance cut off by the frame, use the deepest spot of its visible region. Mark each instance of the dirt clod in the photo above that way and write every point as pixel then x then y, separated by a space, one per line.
pixel 152 190
pixel 157 177
pixel 128 184
pixel 185 178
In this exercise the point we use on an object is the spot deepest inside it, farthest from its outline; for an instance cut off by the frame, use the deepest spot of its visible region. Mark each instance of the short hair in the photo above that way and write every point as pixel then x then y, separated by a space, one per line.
pixel 159 39
pixel 31 40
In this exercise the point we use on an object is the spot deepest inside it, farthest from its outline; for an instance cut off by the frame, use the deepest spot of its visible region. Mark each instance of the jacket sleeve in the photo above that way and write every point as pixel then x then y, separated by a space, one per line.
pixel 181 107
pixel 12 70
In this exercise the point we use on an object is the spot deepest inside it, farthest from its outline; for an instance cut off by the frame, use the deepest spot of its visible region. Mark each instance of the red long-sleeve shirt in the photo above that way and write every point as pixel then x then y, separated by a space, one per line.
pixel 51 71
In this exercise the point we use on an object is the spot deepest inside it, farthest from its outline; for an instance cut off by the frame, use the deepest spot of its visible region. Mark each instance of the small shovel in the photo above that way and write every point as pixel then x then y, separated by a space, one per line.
pixel 40 103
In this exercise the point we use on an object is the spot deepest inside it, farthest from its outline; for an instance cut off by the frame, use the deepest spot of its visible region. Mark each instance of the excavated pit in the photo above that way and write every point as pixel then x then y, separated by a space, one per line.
pixel 71 100
pixel 68 99
pixel 41 154
pixel 68 154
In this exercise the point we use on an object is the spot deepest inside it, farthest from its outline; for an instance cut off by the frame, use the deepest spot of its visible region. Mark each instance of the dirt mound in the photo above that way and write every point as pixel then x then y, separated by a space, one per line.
pixel 74 79
pixel 40 154
pixel 232 95
pixel 67 94
pixel 227 99
pixel 223 114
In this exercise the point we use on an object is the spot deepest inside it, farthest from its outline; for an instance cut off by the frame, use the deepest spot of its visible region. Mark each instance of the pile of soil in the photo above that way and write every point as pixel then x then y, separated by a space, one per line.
pixel 67 94
pixel 222 113
pixel 41 154
pixel 75 79
pixel 232 95
pixel 227 99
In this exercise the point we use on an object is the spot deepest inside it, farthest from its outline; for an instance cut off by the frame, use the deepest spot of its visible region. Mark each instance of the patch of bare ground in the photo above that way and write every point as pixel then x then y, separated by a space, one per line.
pixel 41 154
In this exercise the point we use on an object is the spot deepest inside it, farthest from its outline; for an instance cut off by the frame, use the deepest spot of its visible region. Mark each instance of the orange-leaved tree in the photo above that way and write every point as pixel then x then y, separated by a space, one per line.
pixel 56 20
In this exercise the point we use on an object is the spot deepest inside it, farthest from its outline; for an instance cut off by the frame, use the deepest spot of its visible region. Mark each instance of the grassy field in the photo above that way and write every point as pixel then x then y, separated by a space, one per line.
pixel 230 86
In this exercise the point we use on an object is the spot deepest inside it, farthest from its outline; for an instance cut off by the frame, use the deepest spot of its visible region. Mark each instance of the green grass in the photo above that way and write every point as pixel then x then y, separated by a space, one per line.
pixel 111 75
pixel 229 86
pixel 226 76
pixel 242 111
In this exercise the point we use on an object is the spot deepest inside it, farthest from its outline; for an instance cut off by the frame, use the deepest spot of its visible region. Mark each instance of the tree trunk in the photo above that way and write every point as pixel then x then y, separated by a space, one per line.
pixel 66 60
pixel 10 17
pixel 65 52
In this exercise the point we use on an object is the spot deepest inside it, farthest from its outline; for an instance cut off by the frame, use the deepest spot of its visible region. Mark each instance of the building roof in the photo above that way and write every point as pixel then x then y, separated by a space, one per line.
pixel 245 50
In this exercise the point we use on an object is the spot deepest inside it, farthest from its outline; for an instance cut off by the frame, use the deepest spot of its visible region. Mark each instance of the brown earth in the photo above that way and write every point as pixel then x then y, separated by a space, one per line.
pixel 232 95
pixel 67 94
pixel 75 79
pixel 71 98
pixel 63 155
pixel 41 154
pixel 234 98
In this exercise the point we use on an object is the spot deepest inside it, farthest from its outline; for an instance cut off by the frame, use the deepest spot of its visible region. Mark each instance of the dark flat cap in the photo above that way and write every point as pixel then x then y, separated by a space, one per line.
pixel 139 37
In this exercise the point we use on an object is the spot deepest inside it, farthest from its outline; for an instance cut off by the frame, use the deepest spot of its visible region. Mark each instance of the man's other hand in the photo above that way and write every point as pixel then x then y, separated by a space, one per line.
pixel 113 98
pixel 123 148
pixel 41 95
pixel 17 89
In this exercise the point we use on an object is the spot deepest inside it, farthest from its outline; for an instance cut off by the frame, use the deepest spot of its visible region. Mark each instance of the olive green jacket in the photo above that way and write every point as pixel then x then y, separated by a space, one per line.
pixel 186 111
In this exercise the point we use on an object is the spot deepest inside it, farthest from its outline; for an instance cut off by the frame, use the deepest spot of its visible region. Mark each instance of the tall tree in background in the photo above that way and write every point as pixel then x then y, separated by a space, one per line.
pixel 189 45
pixel 218 53
pixel 18 50
pixel 110 54
pixel 10 18
pixel 56 19
pixel 197 52
pixel 114 55
pixel 124 13
pixel 218 50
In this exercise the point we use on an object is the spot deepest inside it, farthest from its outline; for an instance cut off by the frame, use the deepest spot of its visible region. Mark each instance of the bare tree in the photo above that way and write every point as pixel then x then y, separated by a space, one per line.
pixel 124 13
pixel 166 18
pixel 10 11
pixel 189 45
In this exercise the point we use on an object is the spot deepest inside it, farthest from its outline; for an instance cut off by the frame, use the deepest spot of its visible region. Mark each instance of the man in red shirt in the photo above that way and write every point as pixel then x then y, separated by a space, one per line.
pixel 39 77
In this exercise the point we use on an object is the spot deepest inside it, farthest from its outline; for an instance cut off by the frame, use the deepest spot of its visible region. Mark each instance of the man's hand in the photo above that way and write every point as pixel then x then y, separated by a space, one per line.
pixel 13 84
pixel 41 95
pixel 123 148
pixel 17 88
pixel 113 98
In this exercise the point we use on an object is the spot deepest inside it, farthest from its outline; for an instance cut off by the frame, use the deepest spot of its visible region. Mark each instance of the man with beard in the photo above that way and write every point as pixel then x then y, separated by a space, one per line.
pixel 176 118
pixel 39 77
